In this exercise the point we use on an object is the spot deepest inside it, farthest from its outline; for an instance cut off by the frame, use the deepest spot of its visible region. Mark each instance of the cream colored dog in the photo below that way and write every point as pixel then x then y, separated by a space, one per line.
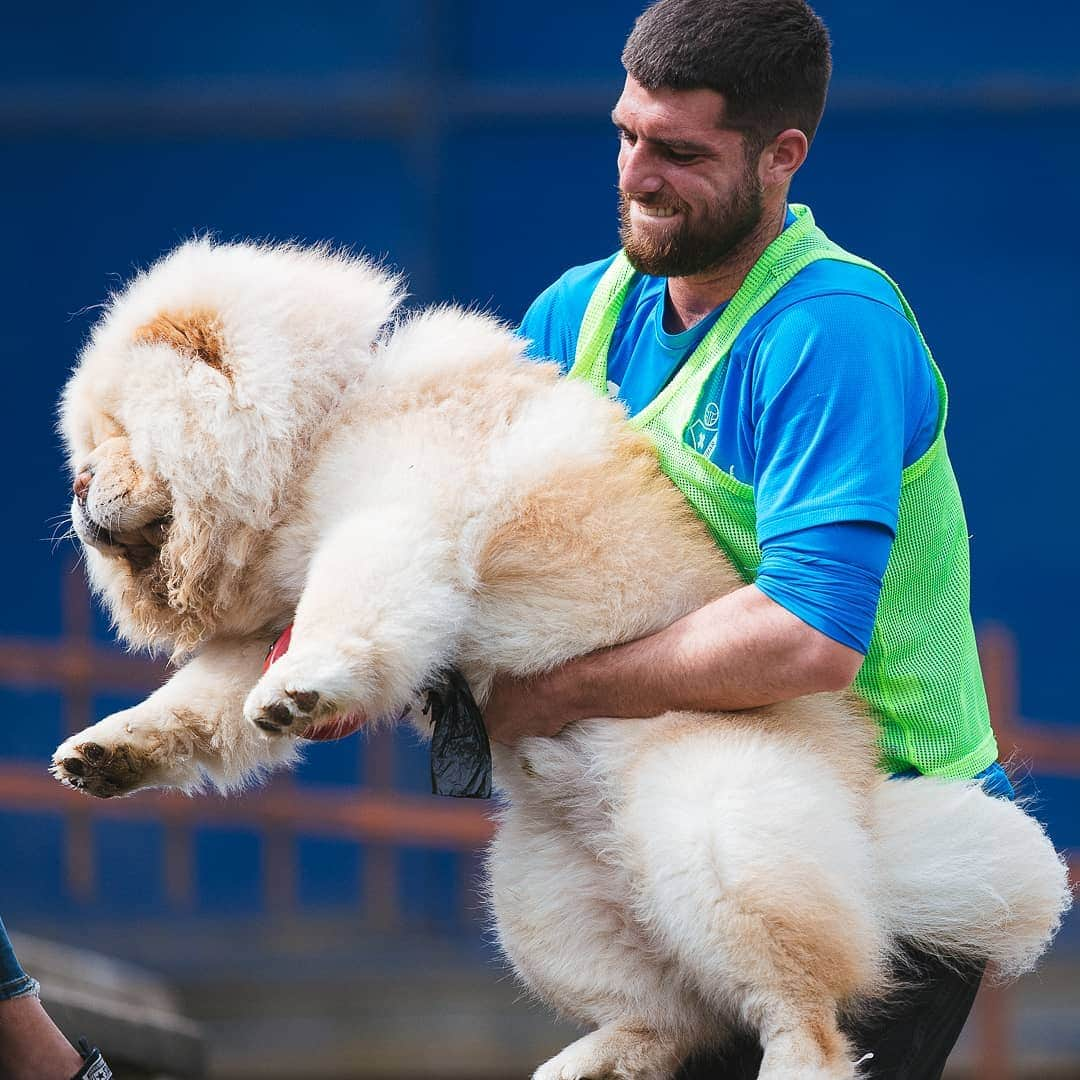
pixel 248 450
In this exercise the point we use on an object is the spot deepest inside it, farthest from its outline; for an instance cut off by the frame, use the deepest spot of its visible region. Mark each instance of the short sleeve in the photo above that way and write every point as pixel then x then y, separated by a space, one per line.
pixel 830 577
pixel 841 390
pixel 548 332
pixel 554 318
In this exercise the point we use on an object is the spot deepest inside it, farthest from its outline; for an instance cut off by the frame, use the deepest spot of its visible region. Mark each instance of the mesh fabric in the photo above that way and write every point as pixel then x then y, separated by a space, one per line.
pixel 921 676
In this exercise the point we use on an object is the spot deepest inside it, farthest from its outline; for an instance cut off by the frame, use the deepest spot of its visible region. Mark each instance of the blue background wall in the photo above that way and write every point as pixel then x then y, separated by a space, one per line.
pixel 468 142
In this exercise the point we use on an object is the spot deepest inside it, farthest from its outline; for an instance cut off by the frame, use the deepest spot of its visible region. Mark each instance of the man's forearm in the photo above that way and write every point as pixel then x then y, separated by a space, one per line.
pixel 737 652
pixel 740 651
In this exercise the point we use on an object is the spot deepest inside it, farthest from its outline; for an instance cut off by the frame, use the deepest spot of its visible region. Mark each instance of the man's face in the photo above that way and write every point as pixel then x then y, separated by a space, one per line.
pixel 688 195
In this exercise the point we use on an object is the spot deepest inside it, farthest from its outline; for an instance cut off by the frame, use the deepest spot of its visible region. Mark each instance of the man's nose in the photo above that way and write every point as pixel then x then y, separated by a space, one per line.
pixel 637 172
pixel 81 487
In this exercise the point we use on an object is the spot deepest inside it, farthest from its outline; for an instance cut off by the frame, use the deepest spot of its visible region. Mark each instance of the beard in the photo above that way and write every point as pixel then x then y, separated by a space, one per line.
pixel 693 247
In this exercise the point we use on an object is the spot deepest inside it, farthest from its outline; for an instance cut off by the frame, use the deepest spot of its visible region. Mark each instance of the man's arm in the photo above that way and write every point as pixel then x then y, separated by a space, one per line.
pixel 737 652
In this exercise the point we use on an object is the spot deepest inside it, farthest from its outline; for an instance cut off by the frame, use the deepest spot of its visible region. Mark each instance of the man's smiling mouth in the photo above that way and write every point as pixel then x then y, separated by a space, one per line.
pixel 656 211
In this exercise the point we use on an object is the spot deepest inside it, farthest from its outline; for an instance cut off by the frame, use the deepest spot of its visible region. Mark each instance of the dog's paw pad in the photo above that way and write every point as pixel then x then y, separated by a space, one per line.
pixel 100 771
pixel 93 753
pixel 285 710
pixel 276 717
pixel 306 700
pixel 72 765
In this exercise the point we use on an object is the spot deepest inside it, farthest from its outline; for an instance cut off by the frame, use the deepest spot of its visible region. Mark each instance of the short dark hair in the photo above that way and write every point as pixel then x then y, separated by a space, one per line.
pixel 770 59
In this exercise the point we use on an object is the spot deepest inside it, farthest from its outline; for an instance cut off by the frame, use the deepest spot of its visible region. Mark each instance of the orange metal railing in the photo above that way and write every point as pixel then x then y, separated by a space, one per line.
pixel 373 813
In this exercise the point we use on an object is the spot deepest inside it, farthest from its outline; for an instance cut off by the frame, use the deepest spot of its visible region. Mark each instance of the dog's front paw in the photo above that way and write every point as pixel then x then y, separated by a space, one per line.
pixel 299 692
pixel 125 752
pixel 285 710
pixel 98 770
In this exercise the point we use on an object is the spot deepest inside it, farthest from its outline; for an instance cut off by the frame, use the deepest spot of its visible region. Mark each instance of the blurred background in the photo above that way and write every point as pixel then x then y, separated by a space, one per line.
pixel 329 925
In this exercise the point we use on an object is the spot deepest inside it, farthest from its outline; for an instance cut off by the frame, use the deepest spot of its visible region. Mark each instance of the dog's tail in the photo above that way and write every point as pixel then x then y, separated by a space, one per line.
pixel 966 875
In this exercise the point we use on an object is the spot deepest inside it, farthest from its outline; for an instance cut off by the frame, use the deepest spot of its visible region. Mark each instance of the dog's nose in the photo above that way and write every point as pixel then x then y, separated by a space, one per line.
pixel 82 485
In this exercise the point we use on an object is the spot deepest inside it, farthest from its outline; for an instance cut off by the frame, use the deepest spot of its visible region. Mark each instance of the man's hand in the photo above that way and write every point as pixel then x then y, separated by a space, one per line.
pixel 521 707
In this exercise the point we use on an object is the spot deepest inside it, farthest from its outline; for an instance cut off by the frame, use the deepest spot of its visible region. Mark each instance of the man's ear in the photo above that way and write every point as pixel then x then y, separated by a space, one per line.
pixel 782 157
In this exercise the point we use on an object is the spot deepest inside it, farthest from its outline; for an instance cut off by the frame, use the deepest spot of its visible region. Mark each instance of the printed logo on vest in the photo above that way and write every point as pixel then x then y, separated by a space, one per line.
pixel 702 433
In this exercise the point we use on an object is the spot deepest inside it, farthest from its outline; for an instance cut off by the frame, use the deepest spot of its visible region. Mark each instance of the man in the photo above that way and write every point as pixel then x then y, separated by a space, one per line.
pixel 795 403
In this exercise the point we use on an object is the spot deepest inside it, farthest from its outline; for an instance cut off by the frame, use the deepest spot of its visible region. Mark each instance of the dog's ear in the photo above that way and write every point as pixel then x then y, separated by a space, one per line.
pixel 197 334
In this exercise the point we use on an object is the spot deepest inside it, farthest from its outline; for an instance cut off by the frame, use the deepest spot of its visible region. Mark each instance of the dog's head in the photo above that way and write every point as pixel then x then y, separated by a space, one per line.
pixel 193 407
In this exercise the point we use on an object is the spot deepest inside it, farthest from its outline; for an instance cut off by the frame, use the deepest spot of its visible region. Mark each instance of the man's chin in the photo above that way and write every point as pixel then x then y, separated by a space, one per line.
pixel 673 247
pixel 648 260
pixel 644 253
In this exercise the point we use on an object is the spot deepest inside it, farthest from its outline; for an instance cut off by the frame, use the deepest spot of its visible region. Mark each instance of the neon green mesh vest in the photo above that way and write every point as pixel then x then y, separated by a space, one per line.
pixel 921 676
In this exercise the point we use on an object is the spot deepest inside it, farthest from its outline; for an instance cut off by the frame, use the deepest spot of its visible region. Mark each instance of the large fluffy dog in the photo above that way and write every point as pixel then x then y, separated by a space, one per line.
pixel 247 450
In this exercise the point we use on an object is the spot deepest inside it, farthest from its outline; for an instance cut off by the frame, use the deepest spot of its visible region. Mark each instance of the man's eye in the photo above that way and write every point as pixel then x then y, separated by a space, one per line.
pixel 627 137
pixel 681 159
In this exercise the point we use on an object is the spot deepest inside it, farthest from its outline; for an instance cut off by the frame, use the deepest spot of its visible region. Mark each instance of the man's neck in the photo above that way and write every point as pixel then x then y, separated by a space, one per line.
pixel 690 299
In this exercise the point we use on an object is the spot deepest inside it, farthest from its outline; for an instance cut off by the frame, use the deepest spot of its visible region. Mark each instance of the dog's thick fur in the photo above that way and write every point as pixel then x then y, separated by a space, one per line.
pixel 249 451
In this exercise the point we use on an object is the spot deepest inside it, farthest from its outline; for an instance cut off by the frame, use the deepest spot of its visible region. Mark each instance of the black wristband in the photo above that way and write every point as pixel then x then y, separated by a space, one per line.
pixel 93 1066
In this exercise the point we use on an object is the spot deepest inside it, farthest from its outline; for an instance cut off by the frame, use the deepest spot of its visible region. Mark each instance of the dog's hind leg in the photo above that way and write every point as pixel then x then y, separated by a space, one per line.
pixel 562 921
pixel 750 866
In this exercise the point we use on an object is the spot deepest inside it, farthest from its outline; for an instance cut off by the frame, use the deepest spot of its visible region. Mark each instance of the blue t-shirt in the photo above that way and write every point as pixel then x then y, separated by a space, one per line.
pixel 826 396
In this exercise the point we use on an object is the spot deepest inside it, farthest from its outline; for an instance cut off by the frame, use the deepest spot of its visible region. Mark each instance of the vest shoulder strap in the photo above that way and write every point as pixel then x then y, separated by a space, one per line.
pixel 792 251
